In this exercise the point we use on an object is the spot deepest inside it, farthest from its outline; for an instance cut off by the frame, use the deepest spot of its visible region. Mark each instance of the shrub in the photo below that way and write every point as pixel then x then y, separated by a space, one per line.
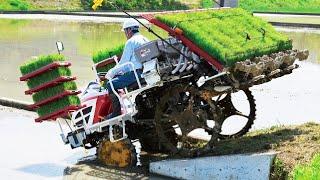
pixel 302 6
pixel 18 5
pixel 50 75
pixel 206 3
pixel 223 33
pixel 139 5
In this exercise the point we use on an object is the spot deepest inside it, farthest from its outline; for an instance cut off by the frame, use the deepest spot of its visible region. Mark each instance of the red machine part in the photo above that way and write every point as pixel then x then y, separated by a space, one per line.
pixel 178 34
pixel 50 84
pixel 60 113
pixel 53 98
pixel 103 108
pixel 44 69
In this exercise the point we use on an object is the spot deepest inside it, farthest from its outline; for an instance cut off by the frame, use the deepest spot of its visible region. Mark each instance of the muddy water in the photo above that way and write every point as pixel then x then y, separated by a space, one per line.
pixel 288 100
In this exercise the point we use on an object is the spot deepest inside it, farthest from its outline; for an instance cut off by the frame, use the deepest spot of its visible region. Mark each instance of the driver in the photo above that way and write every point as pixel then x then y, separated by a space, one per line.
pixel 124 76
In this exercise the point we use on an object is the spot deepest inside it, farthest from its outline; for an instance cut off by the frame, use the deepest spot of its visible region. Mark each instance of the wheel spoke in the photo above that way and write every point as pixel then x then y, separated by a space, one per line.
pixel 241 114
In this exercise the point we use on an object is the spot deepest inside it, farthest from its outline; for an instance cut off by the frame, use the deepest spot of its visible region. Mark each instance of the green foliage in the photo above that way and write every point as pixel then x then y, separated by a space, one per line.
pixel 139 4
pixel 105 54
pixel 223 33
pixel 59 104
pixel 302 6
pixel 309 171
pixel 206 3
pixel 40 62
pixel 278 170
pixel 14 5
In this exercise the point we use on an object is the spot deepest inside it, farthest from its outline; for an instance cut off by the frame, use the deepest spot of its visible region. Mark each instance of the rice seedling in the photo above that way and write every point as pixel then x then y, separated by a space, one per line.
pixel 105 54
pixel 47 93
pixel 47 76
pixel 229 35
pixel 57 105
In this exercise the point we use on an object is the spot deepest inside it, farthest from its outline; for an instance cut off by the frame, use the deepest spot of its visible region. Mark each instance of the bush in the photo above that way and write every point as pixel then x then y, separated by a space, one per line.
pixel 223 33
pixel 302 6
pixel 33 82
pixel 14 5
pixel 206 3
pixel 139 5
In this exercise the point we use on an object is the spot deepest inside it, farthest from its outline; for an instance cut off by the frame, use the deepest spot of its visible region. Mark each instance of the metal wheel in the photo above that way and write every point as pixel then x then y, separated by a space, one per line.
pixel 184 108
pixel 238 112
pixel 150 141
pixel 118 154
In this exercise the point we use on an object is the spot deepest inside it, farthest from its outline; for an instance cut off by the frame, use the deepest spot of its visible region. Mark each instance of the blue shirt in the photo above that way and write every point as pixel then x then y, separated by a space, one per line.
pixel 128 55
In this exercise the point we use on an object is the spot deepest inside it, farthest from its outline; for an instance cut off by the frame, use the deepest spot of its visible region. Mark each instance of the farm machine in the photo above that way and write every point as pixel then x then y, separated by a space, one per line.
pixel 184 89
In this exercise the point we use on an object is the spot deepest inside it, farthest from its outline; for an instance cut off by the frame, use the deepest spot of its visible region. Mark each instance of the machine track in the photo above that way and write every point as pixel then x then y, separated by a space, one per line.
pixel 118 154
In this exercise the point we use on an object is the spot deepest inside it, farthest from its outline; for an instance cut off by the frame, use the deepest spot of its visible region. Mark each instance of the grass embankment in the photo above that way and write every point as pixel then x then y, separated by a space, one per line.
pixel 295 144
pixel 14 5
pixel 292 6
pixel 105 54
pixel 308 171
pixel 229 35
pixel 37 63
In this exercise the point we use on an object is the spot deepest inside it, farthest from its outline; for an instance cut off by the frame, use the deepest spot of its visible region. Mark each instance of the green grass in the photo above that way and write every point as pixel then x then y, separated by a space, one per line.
pixel 222 33
pixel 105 54
pixel 294 144
pixel 309 171
pixel 37 63
pixel 206 3
pixel 14 5
pixel 293 6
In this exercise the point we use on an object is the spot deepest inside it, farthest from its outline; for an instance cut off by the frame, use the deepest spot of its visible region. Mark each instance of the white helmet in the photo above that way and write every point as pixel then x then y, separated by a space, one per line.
pixel 130 23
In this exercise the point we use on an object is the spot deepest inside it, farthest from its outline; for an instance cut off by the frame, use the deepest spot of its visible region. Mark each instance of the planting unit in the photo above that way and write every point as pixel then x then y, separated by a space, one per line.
pixel 53 90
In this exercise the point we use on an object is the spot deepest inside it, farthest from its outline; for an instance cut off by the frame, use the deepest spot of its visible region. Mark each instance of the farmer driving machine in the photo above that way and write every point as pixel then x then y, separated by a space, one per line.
pixel 188 83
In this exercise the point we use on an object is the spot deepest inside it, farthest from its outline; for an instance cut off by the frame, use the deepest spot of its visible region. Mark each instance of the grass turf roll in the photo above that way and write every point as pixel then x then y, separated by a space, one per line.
pixel 229 35
pixel 105 54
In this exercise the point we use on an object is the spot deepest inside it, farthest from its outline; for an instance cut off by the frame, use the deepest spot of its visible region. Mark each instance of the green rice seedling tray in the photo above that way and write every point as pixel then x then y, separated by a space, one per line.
pixel 105 54
pixel 49 80
pixel 224 35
